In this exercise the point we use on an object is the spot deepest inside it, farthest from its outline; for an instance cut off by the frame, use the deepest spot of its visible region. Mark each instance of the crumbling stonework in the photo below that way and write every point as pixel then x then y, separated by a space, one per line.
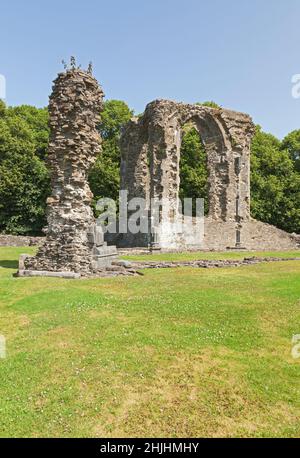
pixel 20 240
pixel 73 241
pixel 150 160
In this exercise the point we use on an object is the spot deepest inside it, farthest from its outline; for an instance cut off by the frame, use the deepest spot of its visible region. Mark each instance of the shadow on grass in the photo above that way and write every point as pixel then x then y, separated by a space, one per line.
pixel 9 264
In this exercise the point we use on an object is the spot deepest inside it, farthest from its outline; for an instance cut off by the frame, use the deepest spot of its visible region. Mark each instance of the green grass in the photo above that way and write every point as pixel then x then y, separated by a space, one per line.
pixel 183 352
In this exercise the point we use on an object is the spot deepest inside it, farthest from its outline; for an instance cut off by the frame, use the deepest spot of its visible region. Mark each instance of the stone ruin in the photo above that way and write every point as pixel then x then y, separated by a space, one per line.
pixel 150 162
pixel 150 158
pixel 74 243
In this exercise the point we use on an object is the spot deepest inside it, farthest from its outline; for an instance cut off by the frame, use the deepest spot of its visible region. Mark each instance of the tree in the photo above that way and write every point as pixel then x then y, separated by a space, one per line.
pixel 2 108
pixel 292 143
pixel 275 184
pixel 104 177
pixel 193 168
pixel 193 164
pixel 115 114
pixel 24 180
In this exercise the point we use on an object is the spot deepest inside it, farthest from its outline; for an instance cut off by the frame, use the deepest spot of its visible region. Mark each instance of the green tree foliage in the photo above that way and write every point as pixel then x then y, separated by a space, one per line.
pixel 24 180
pixel 292 143
pixel 104 177
pixel 275 184
pixel 193 167
pixel 2 108
pixel 115 114
pixel 193 164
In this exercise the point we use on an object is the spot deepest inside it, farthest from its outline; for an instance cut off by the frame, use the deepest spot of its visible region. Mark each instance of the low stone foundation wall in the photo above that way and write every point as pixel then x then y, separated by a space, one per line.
pixel 20 240
pixel 207 264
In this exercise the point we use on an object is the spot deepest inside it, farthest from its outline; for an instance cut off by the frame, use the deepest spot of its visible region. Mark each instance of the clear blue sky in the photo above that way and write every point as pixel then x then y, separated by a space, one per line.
pixel 239 53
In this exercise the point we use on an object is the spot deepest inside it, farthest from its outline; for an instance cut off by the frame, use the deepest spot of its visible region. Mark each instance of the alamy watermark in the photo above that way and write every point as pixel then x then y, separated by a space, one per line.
pixel 296 86
pixel 296 346
pixel 2 87
pixel 2 347
pixel 139 215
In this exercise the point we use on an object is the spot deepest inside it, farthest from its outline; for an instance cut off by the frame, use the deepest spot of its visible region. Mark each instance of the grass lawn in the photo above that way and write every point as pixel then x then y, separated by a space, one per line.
pixel 183 352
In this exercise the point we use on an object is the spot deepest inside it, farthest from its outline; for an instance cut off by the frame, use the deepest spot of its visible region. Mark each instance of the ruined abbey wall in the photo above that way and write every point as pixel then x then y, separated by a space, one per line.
pixel 73 241
pixel 150 160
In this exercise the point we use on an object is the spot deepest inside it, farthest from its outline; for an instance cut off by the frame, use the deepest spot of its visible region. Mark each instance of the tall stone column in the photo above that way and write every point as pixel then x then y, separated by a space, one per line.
pixel 73 242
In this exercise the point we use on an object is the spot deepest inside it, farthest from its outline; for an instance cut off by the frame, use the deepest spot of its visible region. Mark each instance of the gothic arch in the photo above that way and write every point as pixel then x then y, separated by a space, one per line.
pixel 151 146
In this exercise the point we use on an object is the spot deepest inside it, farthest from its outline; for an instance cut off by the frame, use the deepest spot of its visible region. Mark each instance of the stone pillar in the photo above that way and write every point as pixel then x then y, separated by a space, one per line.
pixel 73 241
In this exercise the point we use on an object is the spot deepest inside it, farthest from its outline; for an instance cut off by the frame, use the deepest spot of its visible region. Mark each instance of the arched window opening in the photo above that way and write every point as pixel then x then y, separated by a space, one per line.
pixel 193 168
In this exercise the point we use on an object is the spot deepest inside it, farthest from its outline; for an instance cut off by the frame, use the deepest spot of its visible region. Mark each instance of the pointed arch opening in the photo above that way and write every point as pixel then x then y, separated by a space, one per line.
pixel 193 168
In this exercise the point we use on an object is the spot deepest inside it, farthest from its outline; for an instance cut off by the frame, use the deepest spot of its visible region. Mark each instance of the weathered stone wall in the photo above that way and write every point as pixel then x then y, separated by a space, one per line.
pixel 73 241
pixel 254 235
pixel 150 160
pixel 20 240
pixel 151 153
